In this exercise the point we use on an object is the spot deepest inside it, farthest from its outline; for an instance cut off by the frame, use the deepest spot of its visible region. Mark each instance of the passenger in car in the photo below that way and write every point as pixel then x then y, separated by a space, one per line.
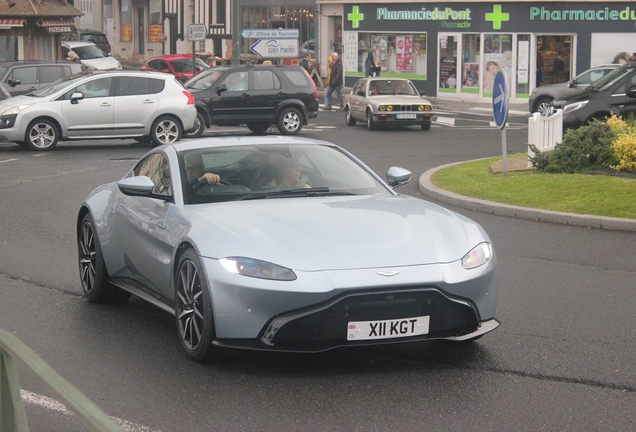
pixel 288 174
pixel 195 170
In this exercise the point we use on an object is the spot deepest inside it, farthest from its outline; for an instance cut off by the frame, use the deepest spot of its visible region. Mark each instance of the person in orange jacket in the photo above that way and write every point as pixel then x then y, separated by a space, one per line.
pixel 327 88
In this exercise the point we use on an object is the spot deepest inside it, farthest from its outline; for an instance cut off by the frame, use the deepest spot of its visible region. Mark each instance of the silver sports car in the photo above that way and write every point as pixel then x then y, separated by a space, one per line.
pixel 287 244
pixel 387 102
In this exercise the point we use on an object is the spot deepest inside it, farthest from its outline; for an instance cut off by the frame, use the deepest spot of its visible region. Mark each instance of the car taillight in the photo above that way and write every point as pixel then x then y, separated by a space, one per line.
pixel 312 81
pixel 189 96
pixel 108 47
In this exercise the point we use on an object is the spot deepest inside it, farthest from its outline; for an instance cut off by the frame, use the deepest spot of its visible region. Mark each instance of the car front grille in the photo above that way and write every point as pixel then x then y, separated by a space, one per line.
pixel 325 326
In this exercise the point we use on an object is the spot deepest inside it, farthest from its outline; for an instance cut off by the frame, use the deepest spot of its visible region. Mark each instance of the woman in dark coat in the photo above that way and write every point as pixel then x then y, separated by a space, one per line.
pixel 368 63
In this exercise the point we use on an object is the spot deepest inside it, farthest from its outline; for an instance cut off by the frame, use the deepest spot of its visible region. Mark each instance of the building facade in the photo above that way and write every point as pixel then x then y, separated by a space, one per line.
pixel 453 49
pixel 32 30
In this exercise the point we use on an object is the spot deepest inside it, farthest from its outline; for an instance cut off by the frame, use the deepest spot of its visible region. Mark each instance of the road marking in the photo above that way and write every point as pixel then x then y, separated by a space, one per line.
pixel 325 127
pixel 53 405
pixel 7 160
pixel 445 120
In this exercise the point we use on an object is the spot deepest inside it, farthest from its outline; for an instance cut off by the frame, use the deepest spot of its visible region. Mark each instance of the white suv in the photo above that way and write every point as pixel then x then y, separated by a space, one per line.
pixel 146 106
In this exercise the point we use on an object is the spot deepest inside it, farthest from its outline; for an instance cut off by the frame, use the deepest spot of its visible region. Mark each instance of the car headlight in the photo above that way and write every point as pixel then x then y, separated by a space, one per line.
pixel 15 110
pixel 257 269
pixel 574 106
pixel 478 256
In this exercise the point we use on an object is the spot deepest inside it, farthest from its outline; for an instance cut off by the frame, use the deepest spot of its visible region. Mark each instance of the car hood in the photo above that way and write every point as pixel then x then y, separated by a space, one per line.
pixel 396 99
pixel 19 100
pixel 103 63
pixel 587 93
pixel 334 233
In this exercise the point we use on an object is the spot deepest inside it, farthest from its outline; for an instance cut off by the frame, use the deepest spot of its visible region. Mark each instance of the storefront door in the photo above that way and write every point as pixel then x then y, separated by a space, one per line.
pixel 448 63
pixel 553 59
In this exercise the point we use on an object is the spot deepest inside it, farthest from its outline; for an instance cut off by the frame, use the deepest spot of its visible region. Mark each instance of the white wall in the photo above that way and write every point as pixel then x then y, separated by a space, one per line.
pixel 606 45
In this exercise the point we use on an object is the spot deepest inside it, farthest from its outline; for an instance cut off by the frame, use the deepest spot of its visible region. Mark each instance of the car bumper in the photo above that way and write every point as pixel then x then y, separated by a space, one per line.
pixel 394 119
pixel 313 313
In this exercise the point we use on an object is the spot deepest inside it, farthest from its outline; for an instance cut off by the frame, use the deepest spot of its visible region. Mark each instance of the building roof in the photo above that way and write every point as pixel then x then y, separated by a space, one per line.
pixel 34 8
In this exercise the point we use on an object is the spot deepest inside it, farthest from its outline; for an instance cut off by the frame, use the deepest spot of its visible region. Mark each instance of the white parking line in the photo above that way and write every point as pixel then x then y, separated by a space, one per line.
pixel 53 405
pixel 7 160
pixel 445 120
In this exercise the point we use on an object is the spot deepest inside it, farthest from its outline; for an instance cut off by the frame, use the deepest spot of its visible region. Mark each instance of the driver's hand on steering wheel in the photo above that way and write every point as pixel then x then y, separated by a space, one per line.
pixel 211 178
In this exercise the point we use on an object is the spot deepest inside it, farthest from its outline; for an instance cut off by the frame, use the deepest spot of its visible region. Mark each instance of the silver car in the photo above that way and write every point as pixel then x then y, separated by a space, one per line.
pixel 284 244
pixel 387 102
pixel 542 96
pixel 90 55
pixel 147 106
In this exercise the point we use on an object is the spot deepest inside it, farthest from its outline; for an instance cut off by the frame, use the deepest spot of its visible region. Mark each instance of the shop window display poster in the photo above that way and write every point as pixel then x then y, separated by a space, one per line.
pixel 351 52
pixel 404 53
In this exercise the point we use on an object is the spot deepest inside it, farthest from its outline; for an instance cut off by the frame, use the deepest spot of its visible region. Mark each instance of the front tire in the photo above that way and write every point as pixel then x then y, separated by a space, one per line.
pixel 350 120
pixel 290 121
pixel 95 285
pixel 165 130
pixel 193 311
pixel 542 105
pixel 370 123
pixel 200 124
pixel 42 135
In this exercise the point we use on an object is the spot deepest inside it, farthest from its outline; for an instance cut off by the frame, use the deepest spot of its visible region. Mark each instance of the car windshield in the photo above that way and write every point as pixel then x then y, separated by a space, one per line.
pixel 392 87
pixel 612 77
pixel 89 52
pixel 273 171
pixel 204 80
pixel 60 84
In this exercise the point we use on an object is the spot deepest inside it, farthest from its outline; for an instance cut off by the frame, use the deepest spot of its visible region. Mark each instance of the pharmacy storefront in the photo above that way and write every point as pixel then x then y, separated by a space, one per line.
pixel 454 50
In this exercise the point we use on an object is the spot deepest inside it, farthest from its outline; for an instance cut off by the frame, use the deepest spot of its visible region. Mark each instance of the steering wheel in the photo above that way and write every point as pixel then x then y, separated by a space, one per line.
pixel 199 184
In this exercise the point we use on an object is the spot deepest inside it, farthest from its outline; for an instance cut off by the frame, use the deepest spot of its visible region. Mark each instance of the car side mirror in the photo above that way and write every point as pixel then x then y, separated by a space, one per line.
pixel 14 82
pixel 631 92
pixel 572 84
pixel 183 78
pixel 422 93
pixel 77 96
pixel 397 176
pixel 136 186
pixel 220 89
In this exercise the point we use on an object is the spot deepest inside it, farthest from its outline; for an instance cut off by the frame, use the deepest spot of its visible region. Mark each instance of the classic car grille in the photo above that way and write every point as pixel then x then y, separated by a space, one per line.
pixel 326 326
pixel 406 108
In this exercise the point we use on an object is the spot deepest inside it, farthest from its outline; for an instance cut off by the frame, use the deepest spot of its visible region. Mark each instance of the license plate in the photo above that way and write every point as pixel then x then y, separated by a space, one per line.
pixel 406 116
pixel 404 327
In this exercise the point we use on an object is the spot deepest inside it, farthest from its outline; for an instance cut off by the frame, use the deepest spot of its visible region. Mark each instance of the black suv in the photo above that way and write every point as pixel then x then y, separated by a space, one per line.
pixel 614 93
pixel 255 95
pixel 23 77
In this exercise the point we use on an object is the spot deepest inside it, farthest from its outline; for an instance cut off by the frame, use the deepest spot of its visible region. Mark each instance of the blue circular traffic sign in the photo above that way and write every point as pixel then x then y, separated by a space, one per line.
pixel 500 99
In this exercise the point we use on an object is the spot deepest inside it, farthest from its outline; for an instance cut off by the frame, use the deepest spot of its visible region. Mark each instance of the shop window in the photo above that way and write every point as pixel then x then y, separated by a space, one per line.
pixel 155 27
pixel 448 63
pixel 8 48
pixel 470 63
pixel 125 21
pixel 497 54
pixel 401 55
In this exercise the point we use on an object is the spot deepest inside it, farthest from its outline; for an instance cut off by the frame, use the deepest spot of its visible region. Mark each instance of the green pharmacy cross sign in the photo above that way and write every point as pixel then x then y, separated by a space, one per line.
pixel 355 17
pixel 497 17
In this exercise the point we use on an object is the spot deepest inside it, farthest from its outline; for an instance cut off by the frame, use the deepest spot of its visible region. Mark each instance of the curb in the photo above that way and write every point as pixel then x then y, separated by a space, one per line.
pixel 601 222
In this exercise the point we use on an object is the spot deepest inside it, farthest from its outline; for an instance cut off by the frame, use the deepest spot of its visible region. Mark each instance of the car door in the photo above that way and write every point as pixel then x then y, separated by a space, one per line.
pixel 140 227
pixel 92 115
pixel 357 100
pixel 229 100
pixel 624 98
pixel 267 95
pixel 22 80
pixel 136 102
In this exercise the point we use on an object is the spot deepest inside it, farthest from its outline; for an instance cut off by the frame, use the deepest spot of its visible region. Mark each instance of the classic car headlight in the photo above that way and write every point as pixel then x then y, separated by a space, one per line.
pixel 479 255
pixel 257 269
pixel 386 108
pixel 15 110
pixel 574 106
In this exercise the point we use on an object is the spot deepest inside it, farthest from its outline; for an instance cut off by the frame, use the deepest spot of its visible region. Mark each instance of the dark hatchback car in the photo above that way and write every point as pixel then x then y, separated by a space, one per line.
pixel 614 93
pixel 255 95
pixel 23 77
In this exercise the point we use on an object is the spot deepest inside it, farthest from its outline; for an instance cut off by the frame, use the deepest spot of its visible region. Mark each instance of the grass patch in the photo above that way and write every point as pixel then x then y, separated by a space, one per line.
pixel 600 195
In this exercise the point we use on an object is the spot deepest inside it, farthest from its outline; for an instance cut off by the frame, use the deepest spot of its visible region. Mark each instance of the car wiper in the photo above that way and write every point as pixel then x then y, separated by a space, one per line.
pixel 292 193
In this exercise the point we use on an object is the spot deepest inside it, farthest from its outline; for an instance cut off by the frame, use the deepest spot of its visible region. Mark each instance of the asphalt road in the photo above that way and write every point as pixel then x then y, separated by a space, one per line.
pixel 562 359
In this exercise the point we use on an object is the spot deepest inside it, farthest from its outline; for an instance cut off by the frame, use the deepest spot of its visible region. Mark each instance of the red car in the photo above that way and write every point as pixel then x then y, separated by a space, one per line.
pixel 179 65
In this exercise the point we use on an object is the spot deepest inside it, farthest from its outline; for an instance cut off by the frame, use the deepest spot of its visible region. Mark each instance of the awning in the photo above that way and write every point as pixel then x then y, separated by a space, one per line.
pixel 11 22
pixel 57 26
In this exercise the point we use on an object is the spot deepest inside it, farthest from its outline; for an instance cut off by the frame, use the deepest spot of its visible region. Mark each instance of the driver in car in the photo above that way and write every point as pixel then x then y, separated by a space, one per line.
pixel 195 170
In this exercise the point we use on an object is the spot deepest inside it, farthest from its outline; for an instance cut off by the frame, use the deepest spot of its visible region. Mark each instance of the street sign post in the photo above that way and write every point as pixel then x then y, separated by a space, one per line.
pixel 270 33
pixel 500 111
pixel 197 32
pixel 275 48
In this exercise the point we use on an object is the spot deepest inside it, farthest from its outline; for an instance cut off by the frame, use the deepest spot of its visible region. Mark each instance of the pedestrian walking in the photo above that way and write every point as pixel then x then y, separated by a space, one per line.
pixel 327 86
pixel 336 81
pixel 305 63
pixel 368 63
